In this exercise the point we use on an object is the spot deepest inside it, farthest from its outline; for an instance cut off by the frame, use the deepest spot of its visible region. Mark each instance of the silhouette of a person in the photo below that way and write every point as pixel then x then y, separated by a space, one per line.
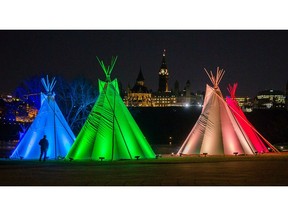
pixel 43 147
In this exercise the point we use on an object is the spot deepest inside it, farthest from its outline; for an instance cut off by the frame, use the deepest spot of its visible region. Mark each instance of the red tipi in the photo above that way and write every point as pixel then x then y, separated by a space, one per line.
pixel 259 143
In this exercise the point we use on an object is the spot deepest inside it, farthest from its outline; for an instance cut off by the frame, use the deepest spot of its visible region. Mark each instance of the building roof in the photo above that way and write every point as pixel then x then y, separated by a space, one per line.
pixel 271 92
pixel 139 89
pixel 140 76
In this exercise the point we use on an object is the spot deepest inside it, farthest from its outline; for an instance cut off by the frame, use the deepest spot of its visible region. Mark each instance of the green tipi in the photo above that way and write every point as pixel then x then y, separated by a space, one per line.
pixel 110 132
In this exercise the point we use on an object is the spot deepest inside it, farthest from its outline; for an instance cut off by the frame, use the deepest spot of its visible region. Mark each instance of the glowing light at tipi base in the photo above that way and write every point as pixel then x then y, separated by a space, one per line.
pixel 110 132
pixel 217 131
pixel 50 122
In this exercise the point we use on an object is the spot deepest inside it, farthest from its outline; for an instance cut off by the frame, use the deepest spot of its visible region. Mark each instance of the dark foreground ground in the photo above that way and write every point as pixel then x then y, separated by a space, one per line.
pixel 261 170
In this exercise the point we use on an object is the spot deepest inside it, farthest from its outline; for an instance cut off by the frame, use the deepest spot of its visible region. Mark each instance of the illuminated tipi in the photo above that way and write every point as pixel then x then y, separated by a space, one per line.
pixel 50 122
pixel 259 143
pixel 110 132
pixel 216 131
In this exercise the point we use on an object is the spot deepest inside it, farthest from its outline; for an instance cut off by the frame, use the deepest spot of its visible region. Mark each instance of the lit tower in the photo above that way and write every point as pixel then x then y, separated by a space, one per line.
pixel 163 75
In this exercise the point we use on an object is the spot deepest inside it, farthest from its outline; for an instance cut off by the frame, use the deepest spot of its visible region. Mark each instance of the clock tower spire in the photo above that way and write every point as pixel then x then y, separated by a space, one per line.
pixel 163 75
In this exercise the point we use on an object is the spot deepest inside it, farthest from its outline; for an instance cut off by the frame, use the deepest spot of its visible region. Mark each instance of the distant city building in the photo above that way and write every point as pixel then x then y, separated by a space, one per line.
pixel 28 115
pixel 245 103
pixel 139 95
pixel 163 75
pixel 176 88
pixel 268 99
pixel 15 110
pixel 163 99
pixel 186 97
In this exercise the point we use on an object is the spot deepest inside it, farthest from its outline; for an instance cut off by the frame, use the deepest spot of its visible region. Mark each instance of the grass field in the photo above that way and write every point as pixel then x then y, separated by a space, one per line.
pixel 261 170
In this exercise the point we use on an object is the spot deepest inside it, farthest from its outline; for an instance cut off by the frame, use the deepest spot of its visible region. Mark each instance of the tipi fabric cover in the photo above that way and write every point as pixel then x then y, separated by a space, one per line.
pixel 246 126
pixel 110 132
pixel 50 122
pixel 216 132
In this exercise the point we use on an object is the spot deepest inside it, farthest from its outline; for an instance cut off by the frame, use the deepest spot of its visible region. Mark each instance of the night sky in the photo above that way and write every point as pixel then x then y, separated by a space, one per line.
pixel 256 59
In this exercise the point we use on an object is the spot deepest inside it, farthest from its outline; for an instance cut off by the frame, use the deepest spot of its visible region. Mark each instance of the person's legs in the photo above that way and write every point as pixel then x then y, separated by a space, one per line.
pixel 41 154
pixel 45 152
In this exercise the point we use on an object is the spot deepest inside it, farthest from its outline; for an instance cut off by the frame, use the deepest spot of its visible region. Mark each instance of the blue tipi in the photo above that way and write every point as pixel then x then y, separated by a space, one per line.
pixel 50 122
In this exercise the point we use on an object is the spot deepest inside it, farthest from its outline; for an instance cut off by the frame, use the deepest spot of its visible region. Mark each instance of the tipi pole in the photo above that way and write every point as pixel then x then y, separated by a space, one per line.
pixel 115 119
pixel 124 139
pixel 108 72
pixel 113 127
pixel 60 121
pixel 57 117
pixel 243 134
pixel 267 142
pixel 49 87
pixel 55 133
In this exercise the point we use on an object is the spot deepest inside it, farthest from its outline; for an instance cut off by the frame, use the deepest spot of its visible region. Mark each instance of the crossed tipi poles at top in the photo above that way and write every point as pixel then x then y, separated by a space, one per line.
pixel 215 79
pixel 48 86
pixel 107 70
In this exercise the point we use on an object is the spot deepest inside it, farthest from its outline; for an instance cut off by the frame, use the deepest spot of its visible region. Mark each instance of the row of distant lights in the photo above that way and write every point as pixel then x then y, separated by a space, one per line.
pixel 7 119
pixel 13 121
